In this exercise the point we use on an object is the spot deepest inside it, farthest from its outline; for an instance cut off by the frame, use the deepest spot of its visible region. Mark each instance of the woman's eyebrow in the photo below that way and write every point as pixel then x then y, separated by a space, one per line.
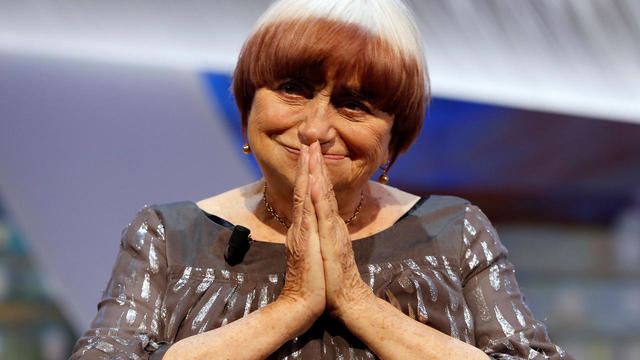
pixel 350 91
pixel 354 96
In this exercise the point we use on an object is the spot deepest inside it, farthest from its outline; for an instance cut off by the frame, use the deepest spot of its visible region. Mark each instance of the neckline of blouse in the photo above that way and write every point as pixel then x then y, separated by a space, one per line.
pixel 228 225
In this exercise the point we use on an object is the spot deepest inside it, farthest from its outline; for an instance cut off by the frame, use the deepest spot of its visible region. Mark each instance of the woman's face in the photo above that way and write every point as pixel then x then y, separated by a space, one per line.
pixel 354 136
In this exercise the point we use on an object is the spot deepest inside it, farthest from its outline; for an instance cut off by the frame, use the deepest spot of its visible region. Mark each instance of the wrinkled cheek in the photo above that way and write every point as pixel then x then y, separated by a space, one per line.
pixel 376 148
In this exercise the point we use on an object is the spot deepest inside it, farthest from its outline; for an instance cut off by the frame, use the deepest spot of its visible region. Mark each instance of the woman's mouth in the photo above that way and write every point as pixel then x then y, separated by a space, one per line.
pixel 333 156
pixel 292 150
pixel 326 156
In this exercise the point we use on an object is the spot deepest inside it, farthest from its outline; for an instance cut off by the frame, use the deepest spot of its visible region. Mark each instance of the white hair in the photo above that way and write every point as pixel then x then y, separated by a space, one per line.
pixel 390 20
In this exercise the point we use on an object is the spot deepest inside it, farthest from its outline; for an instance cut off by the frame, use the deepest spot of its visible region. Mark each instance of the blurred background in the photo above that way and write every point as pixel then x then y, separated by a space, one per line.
pixel 106 106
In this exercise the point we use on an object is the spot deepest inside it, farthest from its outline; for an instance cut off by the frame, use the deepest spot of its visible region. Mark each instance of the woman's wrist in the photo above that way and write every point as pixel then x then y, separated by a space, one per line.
pixel 268 328
pixel 301 312
pixel 391 334
pixel 353 302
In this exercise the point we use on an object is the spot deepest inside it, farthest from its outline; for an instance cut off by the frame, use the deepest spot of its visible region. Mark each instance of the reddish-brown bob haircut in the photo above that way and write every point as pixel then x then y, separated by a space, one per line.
pixel 315 48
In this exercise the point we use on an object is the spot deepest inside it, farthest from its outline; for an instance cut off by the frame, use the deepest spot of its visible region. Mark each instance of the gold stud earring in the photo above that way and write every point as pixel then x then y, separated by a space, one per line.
pixel 246 149
pixel 384 178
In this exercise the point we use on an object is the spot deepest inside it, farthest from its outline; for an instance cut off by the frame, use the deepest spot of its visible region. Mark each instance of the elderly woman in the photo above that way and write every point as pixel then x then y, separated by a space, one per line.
pixel 339 266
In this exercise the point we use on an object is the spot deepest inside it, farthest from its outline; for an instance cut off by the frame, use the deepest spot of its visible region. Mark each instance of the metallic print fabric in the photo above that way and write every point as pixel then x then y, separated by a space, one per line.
pixel 442 264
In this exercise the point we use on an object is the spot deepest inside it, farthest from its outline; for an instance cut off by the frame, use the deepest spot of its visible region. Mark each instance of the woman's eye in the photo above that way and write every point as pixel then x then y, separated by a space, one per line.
pixel 356 106
pixel 291 88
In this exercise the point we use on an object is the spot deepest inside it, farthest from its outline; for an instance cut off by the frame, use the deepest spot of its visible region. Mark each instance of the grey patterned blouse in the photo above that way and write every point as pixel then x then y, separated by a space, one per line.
pixel 441 264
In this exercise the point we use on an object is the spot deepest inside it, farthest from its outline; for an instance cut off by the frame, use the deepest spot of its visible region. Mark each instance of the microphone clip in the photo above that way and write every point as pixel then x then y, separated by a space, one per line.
pixel 239 244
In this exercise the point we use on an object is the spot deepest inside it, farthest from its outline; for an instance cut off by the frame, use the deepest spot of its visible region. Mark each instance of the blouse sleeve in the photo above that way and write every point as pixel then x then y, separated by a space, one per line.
pixel 504 325
pixel 129 321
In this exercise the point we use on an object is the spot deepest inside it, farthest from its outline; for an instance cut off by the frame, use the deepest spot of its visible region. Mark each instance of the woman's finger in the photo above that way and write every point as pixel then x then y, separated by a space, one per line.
pixel 302 237
pixel 304 280
pixel 304 220
pixel 343 283
pixel 327 185
pixel 309 222
pixel 302 185
pixel 334 239
pixel 324 200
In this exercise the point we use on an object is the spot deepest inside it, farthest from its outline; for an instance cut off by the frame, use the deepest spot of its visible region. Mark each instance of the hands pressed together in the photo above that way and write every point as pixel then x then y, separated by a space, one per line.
pixel 322 275
pixel 321 268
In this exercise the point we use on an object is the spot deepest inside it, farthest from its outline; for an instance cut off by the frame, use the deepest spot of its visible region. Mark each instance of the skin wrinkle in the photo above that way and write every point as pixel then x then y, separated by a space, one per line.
pixel 300 270
pixel 321 269
pixel 312 48
pixel 363 139
pixel 348 286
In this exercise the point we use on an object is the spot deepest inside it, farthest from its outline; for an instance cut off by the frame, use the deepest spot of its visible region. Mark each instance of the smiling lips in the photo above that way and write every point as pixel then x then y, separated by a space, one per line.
pixel 326 156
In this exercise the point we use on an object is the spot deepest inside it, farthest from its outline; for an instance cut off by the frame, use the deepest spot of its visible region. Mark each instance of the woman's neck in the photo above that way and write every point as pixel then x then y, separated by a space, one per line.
pixel 350 201
pixel 382 206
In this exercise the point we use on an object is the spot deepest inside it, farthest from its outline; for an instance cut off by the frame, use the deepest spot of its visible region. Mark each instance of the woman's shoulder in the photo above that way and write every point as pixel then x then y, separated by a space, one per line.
pixel 233 203
pixel 389 196
pixel 441 217
pixel 405 202
pixel 185 214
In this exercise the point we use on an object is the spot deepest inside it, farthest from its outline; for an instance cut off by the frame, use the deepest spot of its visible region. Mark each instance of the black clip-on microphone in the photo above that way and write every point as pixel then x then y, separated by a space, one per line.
pixel 238 245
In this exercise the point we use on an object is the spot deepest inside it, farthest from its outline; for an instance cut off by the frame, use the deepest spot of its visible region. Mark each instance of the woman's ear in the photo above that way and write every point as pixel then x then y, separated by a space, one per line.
pixel 390 156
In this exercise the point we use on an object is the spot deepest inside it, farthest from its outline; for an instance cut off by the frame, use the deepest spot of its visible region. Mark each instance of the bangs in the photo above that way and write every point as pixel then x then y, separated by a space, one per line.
pixel 351 57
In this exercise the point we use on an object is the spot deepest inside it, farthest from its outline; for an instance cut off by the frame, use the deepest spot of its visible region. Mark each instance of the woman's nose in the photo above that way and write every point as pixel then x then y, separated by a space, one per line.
pixel 317 123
